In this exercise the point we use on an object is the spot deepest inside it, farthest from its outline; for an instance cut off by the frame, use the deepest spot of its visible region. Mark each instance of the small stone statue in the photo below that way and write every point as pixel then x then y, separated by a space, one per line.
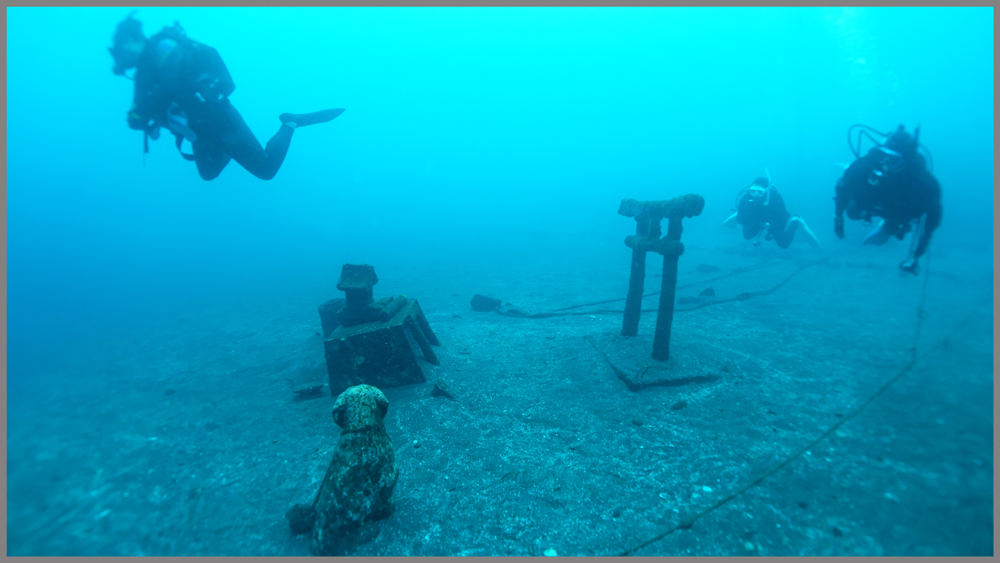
pixel 357 489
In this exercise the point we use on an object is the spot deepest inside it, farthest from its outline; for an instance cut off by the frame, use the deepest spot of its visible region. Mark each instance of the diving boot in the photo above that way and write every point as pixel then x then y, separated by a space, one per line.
pixel 303 119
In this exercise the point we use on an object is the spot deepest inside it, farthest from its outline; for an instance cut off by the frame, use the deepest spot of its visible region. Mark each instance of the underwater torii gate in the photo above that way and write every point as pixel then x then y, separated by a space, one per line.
pixel 648 215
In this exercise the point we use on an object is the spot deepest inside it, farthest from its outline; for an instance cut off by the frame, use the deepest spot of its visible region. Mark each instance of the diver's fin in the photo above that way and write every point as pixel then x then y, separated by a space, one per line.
pixel 768 174
pixel 303 119
pixel 811 237
pixel 842 165
pixel 879 236
pixel 729 220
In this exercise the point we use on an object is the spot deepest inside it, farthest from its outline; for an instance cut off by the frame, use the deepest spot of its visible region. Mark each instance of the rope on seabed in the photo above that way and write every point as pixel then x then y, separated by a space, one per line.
pixel 686 524
pixel 734 272
pixel 740 297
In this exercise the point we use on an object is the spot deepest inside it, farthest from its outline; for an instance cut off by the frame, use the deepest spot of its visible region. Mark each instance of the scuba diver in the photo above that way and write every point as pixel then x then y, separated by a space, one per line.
pixel 761 211
pixel 183 85
pixel 892 182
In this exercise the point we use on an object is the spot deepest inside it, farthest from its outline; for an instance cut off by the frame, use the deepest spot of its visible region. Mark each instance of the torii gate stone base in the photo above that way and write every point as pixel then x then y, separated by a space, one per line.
pixel 642 360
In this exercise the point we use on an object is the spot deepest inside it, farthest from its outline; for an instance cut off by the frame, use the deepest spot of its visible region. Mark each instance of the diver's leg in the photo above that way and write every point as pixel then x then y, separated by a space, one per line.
pixel 784 238
pixel 210 157
pixel 244 148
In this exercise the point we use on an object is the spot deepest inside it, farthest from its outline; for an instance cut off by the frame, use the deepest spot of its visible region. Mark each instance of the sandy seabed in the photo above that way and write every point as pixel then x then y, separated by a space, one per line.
pixel 186 439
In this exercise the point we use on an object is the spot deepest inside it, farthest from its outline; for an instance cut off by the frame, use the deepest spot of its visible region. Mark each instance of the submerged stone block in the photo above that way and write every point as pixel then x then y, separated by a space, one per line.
pixel 372 342
pixel 328 314
pixel 356 281
pixel 381 353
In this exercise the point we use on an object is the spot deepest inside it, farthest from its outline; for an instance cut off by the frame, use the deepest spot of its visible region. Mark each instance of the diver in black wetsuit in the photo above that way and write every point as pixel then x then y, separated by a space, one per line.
pixel 183 85
pixel 761 211
pixel 893 182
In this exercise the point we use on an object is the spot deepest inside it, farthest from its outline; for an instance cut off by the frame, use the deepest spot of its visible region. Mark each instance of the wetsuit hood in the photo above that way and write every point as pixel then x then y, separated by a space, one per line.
pixel 903 142
pixel 128 33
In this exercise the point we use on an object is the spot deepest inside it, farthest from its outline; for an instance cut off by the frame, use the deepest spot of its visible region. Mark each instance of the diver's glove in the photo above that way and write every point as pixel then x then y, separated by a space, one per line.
pixel 910 266
pixel 838 227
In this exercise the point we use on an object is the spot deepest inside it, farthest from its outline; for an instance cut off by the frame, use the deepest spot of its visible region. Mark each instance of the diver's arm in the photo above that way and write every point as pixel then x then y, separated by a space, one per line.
pixel 931 221
pixel 155 84
pixel 851 183
pixel 149 103
pixel 145 99
pixel 742 211
pixel 147 109
pixel 140 115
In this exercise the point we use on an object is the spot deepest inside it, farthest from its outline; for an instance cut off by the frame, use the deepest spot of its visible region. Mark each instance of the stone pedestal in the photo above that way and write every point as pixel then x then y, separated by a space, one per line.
pixel 381 353
pixel 328 315
pixel 689 363
pixel 370 341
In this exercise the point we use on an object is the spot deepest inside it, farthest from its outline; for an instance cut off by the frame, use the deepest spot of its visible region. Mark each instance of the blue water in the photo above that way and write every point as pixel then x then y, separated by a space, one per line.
pixel 465 128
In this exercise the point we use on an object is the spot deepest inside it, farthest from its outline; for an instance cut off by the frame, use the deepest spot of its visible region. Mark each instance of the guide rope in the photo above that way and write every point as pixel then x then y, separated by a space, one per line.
pixel 740 297
pixel 734 272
